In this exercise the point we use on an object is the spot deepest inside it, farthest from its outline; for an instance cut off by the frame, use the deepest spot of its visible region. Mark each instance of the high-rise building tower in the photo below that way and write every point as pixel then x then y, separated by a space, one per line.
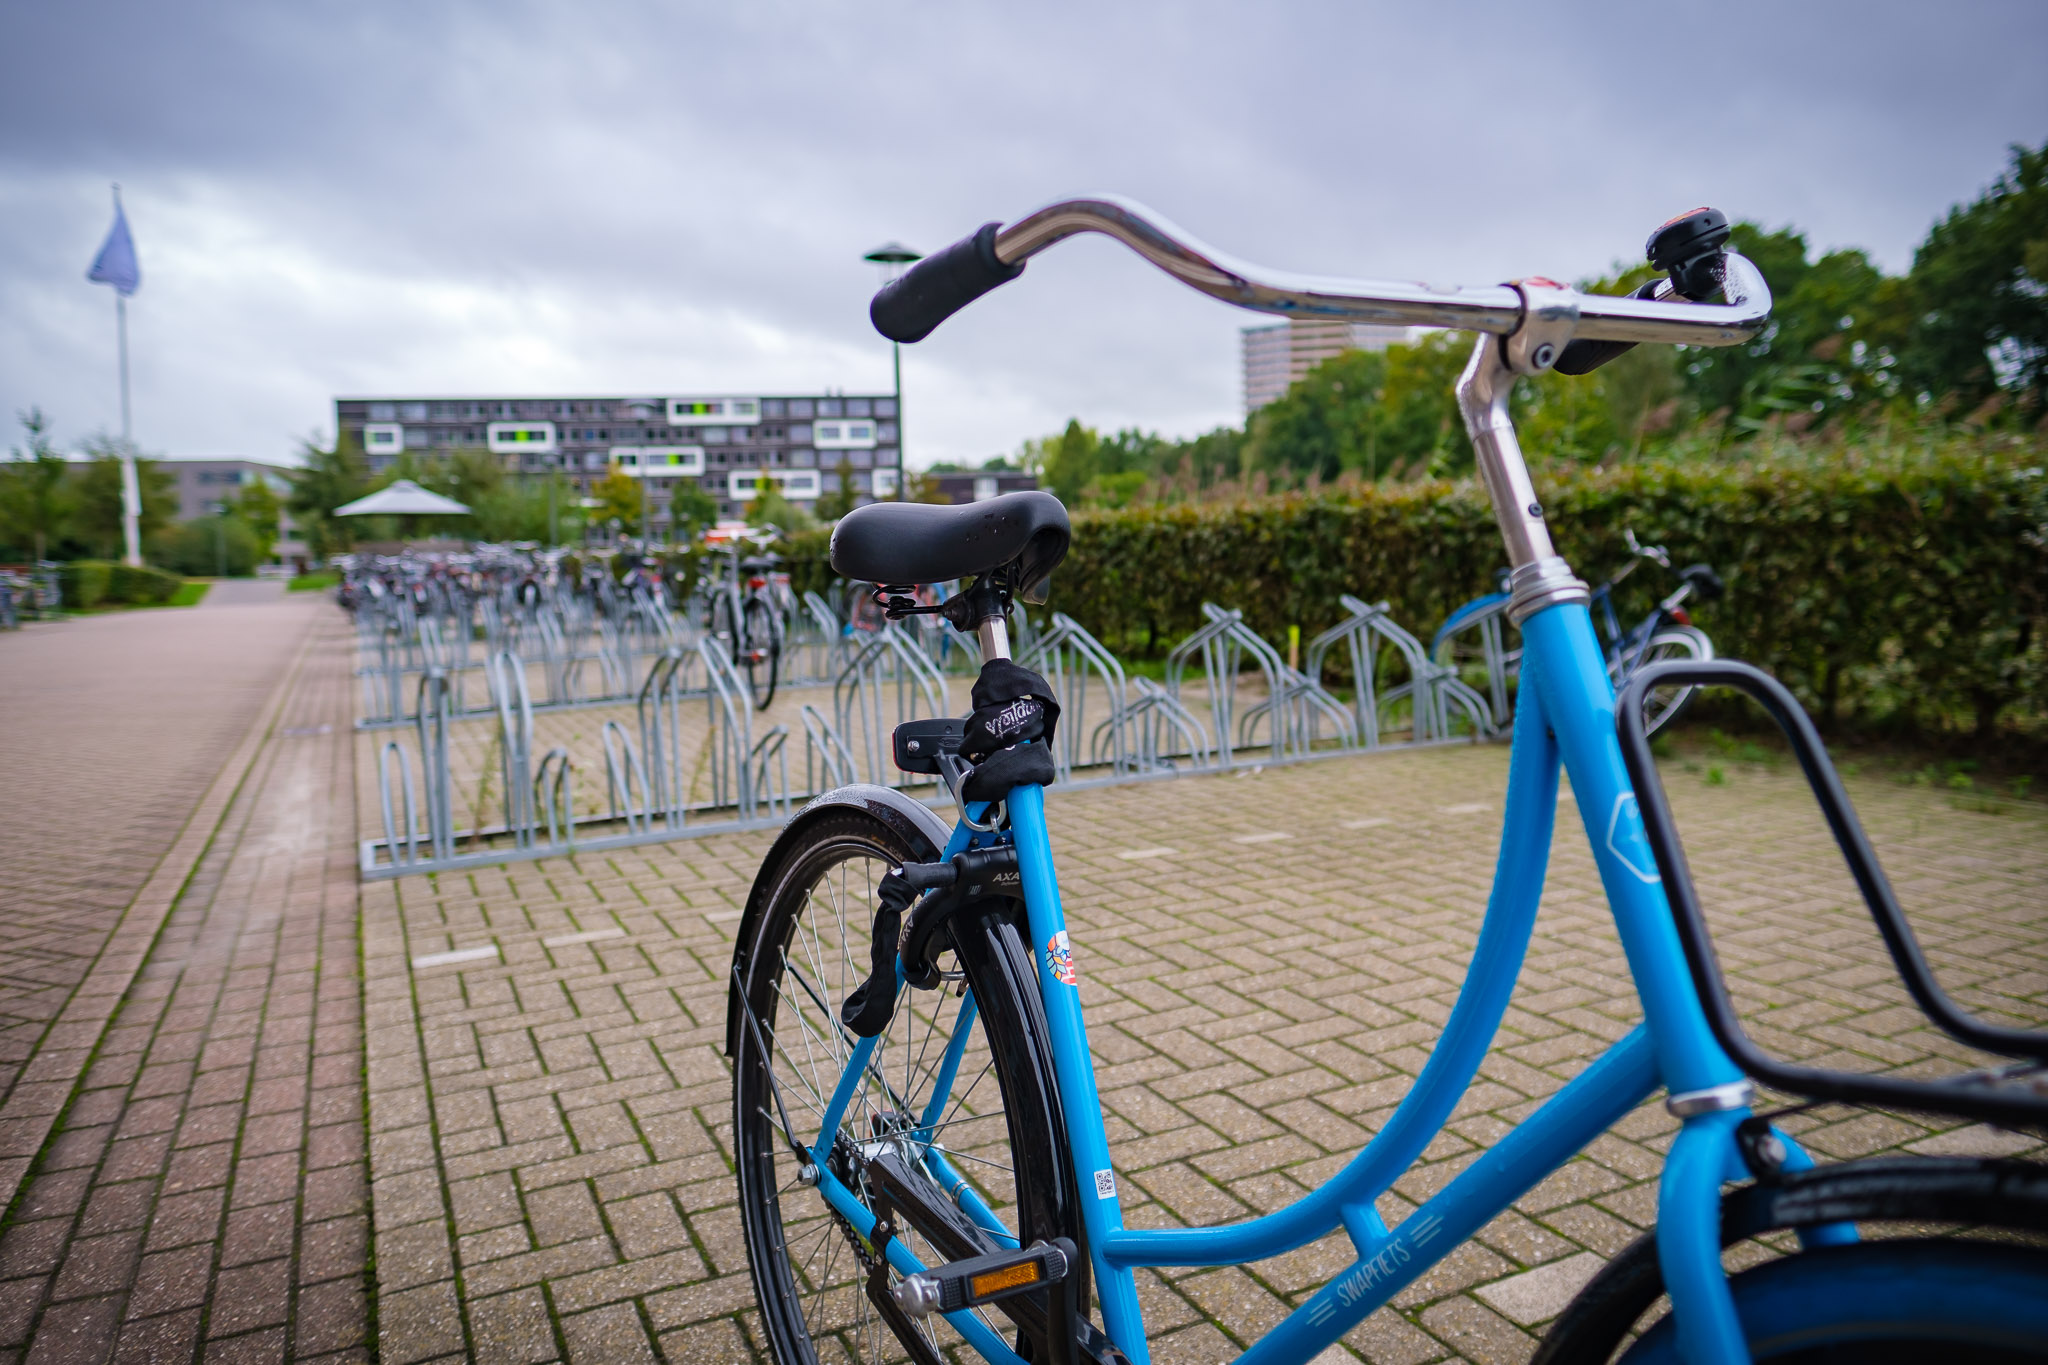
pixel 1279 354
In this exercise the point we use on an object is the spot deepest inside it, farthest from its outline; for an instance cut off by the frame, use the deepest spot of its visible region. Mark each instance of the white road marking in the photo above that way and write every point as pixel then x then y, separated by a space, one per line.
pixel 587 936
pixel 459 955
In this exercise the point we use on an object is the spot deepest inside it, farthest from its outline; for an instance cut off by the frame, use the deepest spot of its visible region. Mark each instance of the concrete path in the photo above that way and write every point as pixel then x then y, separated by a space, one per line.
pixel 245 592
pixel 204 1193
pixel 121 738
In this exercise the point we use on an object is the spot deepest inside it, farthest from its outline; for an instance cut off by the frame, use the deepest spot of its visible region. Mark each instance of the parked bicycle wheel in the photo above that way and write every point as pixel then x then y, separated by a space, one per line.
pixel 1686 643
pixel 761 653
pixel 1886 1303
pixel 990 1149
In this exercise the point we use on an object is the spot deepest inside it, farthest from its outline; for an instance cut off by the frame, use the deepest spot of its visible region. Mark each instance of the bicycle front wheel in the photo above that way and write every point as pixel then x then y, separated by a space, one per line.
pixel 955 1120
pixel 1886 1303
pixel 762 651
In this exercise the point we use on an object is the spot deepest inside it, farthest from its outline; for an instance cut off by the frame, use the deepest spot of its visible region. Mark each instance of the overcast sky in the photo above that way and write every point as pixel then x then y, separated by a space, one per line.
pixel 428 198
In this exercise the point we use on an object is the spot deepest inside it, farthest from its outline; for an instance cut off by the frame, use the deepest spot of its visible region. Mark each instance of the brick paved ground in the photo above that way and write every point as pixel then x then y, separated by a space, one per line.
pixel 204 1193
pixel 550 1128
pixel 118 738
pixel 549 1154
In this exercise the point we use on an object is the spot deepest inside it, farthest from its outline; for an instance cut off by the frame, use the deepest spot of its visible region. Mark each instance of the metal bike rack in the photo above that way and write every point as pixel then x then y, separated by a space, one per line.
pixel 889 681
pixel 1296 707
pixel 675 772
pixel 1072 661
pixel 1488 624
pixel 1433 690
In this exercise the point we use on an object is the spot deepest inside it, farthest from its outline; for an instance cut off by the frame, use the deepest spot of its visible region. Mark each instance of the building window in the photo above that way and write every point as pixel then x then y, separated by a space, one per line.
pixel 383 412
pixel 737 411
pixel 522 438
pixel 773 407
pixel 859 407
pixel 413 412
pixel 800 432
pixel 847 435
pixel 885 407
pixel 383 439
pixel 800 407
pixel 830 407
pixel 885 431
pixel 803 459
pixel 713 436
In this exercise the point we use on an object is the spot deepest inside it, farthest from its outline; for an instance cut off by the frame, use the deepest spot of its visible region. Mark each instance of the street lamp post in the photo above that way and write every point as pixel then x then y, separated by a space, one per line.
pixel 893 257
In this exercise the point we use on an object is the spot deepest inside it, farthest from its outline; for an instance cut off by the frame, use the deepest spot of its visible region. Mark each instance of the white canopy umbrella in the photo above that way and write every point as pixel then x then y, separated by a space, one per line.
pixel 402 499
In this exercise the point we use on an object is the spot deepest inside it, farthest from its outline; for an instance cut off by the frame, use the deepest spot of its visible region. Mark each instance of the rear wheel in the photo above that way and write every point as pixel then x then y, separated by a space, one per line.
pixel 761 652
pixel 989 1150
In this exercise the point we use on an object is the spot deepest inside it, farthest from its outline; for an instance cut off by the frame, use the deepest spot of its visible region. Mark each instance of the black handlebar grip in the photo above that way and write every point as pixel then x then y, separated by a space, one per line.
pixel 941 285
pixel 1585 356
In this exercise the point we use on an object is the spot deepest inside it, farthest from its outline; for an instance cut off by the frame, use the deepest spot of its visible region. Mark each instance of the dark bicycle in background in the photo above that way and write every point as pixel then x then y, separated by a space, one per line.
pixel 1474 635
pixel 751 603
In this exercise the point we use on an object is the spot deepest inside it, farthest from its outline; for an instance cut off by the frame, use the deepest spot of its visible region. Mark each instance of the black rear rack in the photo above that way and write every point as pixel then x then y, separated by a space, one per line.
pixel 2015 1095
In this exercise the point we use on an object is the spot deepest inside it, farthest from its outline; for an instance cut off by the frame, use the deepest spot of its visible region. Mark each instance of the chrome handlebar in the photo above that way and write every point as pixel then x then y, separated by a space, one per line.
pixel 1497 308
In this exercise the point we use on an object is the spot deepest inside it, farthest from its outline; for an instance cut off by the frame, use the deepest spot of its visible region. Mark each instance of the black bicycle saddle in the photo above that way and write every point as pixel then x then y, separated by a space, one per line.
pixel 902 543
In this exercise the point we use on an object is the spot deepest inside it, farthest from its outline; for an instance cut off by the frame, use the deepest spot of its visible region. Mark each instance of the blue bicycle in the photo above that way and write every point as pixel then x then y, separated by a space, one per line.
pixel 923 1169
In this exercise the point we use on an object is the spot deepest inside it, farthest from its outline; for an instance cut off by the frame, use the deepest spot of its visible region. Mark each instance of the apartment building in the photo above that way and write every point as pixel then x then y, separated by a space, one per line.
pixel 1279 354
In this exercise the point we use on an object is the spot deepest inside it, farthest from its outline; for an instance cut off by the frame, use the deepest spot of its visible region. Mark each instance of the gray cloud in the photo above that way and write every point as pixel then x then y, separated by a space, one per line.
pixel 501 197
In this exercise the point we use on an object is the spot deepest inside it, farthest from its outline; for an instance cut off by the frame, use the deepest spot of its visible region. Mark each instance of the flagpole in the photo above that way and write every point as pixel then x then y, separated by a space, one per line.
pixel 131 487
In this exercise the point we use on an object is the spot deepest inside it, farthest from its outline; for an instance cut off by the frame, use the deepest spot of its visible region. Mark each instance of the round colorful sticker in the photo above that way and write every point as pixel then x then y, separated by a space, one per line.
pixel 1059 958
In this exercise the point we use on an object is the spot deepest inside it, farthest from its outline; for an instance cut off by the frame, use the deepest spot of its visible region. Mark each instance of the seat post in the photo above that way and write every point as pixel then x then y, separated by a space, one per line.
pixel 994 634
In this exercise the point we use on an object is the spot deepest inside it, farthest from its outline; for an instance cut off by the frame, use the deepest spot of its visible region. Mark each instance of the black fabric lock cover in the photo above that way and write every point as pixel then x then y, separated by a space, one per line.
pixel 993 777
pixel 868 1009
pixel 1011 704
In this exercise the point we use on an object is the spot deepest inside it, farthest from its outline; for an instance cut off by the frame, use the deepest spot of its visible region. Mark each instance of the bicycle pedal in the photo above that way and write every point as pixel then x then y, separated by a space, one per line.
pixel 984 1279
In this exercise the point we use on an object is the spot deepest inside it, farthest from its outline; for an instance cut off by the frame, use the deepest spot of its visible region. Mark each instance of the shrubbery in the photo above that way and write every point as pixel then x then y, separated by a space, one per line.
pixel 91 583
pixel 1908 586
pixel 208 546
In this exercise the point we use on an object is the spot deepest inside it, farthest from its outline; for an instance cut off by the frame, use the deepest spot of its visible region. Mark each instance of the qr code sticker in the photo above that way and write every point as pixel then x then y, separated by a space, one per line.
pixel 1105 1184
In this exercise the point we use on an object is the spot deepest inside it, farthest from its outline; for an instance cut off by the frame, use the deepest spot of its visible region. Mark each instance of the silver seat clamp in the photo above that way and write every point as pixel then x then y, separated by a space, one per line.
pixel 1713 1100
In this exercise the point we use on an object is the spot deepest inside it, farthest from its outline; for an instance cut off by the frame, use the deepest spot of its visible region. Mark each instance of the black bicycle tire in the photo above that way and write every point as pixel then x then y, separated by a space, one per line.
pixel 2004 1194
pixel 1875 1323
pixel 759 615
pixel 999 967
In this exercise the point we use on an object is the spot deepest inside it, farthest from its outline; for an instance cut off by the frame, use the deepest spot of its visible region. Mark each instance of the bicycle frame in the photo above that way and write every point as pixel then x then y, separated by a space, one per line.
pixel 1565 714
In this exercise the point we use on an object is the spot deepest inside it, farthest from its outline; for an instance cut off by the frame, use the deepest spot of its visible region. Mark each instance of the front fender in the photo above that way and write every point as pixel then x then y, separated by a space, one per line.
pixel 918 824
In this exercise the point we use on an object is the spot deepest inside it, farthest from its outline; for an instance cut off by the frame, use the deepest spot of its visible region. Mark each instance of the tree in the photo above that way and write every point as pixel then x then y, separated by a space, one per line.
pixel 771 508
pixel 100 505
pixel 618 496
pixel 840 500
pixel 691 510
pixel 1064 463
pixel 1979 292
pixel 328 478
pixel 258 508
pixel 35 493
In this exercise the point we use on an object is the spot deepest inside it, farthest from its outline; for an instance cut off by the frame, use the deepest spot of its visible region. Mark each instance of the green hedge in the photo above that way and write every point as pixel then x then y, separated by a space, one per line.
pixel 84 583
pixel 91 583
pixel 1909 585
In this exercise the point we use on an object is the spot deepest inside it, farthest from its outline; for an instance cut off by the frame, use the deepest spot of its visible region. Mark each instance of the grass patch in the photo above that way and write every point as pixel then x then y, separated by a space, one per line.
pixel 313 582
pixel 189 592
